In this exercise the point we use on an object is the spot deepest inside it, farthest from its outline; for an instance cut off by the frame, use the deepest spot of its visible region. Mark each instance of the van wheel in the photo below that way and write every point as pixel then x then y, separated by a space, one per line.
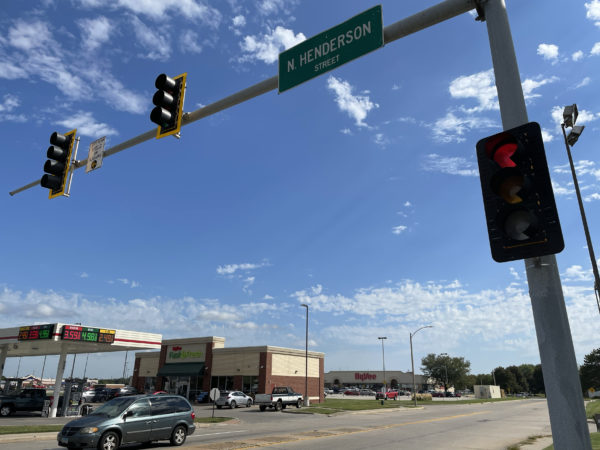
pixel 249 404
pixel 109 441
pixel 233 404
pixel 5 410
pixel 278 406
pixel 178 436
pixel 298 403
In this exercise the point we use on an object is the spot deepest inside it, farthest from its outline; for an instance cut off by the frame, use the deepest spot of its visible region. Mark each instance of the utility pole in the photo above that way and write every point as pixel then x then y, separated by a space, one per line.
pixel 559 365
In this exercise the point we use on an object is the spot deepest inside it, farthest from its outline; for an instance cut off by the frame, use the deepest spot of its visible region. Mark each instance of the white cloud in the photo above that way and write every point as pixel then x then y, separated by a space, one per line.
pixel 156 45
pixel 578 55
pixel 380 139
pixel 238 21
pixel 593 11
pixel 547 136
pixel 268 7
pixel 267 47
pixel 357 106
pixel 399 229
pixel 9 103
pixel 514 273
pixel 482 88
pixel 595 49
pixel 479 86
pixel 561 190
pixel 86 125
pixel 591 197
pixel 95 32
pixel 576 273
pixel 452 128
pixel 189 42
pixel 407 204
pixel 230 269
pixel 529 85
pixel 583 82
pixel 451 165
pixel 346 131
pixel 548 52
pixel 27 36
pixel 159 9
pixel 84 275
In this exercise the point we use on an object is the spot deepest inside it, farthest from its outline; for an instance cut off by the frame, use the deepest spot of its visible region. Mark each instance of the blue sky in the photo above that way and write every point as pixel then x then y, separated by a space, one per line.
pixel 356 192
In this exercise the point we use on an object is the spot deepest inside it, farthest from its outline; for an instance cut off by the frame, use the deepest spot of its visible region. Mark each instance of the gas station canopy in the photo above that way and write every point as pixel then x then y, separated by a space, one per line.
pixel 60 338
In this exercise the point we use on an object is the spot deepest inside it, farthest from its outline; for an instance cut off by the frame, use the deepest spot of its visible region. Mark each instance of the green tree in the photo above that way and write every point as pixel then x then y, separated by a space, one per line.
pixel 506 379
pixel 537 383
pixel 446 370
pixel 521 384
pixel 589 372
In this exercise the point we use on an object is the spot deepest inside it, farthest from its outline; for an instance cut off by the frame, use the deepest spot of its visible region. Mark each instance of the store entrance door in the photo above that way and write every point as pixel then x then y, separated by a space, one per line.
pixel 183 386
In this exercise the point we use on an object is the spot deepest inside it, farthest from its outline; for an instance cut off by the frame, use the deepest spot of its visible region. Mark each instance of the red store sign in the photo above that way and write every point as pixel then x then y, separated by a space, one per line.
pixel 364 376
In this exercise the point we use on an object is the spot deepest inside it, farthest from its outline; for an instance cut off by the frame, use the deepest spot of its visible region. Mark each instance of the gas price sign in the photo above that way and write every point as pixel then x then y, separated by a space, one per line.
pixel 34 332
pixel 87 334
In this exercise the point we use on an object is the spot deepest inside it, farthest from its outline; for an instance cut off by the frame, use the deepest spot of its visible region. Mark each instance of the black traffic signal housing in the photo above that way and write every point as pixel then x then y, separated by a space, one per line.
pixel 58 163
pixel 169 104
pixel 520 211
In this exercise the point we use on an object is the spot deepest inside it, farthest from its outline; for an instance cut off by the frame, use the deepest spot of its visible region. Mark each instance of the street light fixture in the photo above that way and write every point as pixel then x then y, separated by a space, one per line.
pixel 413 362
pixel 382 338
pixel 306 402
pixel 570 116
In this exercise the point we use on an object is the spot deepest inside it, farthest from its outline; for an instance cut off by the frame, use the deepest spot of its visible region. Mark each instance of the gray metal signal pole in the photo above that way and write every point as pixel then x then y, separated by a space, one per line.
pixel 559 366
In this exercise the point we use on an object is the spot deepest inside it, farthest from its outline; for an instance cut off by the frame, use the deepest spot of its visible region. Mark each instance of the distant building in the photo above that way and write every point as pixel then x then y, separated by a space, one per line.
pixel 395 379
pixel 487 391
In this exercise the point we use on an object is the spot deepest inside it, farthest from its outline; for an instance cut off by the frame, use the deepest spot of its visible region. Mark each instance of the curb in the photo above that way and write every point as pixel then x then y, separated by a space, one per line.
pixel 28 437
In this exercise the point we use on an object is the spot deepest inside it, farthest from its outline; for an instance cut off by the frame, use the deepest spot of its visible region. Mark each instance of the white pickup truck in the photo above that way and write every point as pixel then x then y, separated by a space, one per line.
pixel 278 399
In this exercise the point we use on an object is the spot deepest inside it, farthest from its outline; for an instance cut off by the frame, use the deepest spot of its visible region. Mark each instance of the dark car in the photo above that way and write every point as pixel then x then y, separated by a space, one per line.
pixel 129 419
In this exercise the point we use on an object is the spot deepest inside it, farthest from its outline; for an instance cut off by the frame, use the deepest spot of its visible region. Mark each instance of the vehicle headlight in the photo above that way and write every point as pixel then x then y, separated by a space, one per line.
pixel 88 430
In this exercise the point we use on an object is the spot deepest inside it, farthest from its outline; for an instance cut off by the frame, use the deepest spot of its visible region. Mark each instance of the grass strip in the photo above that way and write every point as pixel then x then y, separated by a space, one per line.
pixel 212 419
pixel 19 429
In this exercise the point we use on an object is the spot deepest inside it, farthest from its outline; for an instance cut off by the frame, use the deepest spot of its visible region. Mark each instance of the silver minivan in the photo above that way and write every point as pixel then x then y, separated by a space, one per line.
pixel 124 420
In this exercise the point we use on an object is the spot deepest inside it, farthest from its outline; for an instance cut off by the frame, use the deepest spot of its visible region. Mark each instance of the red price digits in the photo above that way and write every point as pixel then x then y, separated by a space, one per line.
pixel 34 334
pixel 74 335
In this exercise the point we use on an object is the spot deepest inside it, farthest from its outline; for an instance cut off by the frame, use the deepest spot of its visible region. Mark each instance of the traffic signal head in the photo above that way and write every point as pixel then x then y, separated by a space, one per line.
pixel 169 104
pixel 517 192
pixel 58 163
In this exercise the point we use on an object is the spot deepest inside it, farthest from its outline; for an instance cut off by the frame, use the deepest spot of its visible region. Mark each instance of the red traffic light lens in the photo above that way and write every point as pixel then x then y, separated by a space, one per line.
pixel 501 148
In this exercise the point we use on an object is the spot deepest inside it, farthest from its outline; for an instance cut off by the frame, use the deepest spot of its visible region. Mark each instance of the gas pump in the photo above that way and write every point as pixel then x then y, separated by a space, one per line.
pixel 12 385
pixel 73 396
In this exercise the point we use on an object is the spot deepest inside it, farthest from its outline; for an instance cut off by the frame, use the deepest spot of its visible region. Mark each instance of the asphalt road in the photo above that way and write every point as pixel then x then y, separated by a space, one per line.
pixel 450 426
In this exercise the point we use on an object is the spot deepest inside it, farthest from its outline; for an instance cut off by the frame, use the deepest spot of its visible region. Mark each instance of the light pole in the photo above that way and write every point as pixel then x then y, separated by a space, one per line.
pixel 569 118
pixel 413 362
pixel 306 401
pixel 382 338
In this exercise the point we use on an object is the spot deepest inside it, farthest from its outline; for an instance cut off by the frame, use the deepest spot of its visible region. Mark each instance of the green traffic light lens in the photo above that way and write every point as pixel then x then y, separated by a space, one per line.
pixel 520 225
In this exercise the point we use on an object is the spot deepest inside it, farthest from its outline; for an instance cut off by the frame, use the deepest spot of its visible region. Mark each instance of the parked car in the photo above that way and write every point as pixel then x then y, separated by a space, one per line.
pixel 124 420
pixel 94 395
pixel 24 400
pixel 159 392
pixel 125 391
pixel 328 391
pixel 351 392
pixel 203 397
pixel 437 394
pixel 366 392
pixel 233 399
pixel 389 395
pixel 280 398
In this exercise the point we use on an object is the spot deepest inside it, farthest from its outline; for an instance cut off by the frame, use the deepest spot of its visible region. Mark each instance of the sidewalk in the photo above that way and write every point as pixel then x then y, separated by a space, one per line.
pixel 544 442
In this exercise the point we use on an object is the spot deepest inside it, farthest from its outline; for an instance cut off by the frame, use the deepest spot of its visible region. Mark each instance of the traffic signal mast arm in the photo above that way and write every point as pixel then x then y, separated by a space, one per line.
pixel 402 28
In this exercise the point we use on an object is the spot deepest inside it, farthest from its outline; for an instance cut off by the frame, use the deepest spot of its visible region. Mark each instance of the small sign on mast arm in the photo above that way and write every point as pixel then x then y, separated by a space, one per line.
pixel 95 155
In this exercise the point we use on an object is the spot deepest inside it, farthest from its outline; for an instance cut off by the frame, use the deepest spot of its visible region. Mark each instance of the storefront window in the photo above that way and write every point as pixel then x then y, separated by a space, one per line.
pixel 223 383
pixel 249 384
pixel 149 384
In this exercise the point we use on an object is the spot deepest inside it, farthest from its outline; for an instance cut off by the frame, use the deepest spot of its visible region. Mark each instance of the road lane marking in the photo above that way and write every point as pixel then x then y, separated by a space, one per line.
pixel 277 440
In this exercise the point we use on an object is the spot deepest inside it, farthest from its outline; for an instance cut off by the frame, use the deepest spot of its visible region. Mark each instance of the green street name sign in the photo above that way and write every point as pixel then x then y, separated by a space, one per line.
pixel 330 49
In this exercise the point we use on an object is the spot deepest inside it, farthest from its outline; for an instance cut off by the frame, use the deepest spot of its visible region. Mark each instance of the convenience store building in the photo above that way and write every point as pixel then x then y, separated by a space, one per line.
pixel 189 366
